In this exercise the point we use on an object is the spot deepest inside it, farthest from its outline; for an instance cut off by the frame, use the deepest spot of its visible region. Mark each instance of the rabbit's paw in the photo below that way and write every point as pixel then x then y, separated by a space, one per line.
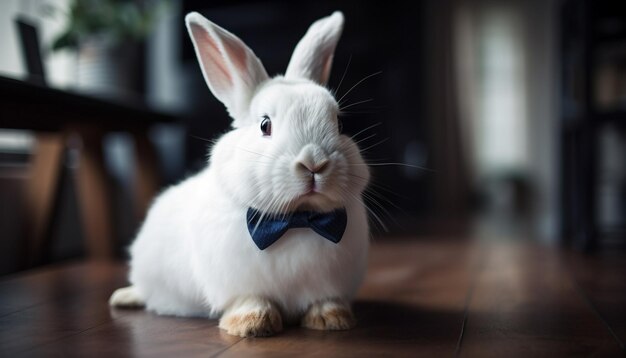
pixel 332 315
pixel 126 297
pixel 251 317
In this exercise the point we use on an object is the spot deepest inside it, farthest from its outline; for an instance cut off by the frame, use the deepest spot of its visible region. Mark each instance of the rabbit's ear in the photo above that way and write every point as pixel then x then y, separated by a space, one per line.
pixel 230 68
pixel 313 56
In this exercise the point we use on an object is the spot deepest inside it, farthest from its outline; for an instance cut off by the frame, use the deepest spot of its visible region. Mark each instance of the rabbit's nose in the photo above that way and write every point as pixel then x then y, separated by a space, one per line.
pixel 314 168
pixel 312 159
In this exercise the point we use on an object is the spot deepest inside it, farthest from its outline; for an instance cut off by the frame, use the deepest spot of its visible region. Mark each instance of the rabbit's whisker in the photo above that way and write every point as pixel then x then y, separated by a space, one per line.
pixel 383 197
pixel 375 144
pixel 345 71
pixel 358 83
pixel 372 184
pixel 257 153
pixel 212 141
pixel 398 164
pixel 366 138
pixel 380 206
pixel 353 137
pixel 343 114
pixel 355 103
pixel 372 212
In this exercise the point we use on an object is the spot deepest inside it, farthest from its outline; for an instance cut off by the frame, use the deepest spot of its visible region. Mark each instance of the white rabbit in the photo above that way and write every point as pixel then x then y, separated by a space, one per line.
pixel 194 255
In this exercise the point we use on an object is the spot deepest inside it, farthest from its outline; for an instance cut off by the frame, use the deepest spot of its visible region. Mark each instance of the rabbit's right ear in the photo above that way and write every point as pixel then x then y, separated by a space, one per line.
pixel 230 68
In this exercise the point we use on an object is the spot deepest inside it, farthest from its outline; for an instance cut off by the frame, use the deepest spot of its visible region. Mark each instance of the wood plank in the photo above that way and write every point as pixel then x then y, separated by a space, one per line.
pixel 45 307
pixel 137 333
pixel 35 287
pixel 412 301
pixel 601 276
pixel 525 304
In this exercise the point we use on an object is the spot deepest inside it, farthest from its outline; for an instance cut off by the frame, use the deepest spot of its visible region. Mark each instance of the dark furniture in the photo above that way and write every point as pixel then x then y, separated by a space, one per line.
pixel 66 121
pixel 591 31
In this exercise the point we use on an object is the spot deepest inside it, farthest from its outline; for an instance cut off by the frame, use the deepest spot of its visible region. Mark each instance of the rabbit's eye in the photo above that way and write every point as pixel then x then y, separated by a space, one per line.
pixel 266 126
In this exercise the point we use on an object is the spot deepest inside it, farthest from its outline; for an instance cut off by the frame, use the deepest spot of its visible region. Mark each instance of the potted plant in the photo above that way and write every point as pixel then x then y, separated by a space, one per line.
pixel 106 35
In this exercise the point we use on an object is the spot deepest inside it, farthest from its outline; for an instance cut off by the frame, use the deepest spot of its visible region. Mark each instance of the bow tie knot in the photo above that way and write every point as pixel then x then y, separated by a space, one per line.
pixel 266 229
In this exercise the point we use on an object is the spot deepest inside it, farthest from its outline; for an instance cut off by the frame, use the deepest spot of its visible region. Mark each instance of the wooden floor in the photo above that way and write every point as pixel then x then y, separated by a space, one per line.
pixel 421 298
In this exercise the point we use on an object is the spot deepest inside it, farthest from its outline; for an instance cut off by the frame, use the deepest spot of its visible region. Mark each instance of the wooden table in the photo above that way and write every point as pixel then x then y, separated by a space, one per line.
pixel 66 121
pixel 432 298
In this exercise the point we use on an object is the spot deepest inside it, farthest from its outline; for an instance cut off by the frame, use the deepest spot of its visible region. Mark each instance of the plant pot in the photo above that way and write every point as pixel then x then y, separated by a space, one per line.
pixel 108 70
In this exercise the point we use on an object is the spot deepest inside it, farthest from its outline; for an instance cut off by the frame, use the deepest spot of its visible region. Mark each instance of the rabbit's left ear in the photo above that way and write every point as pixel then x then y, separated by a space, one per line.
pixel 313 56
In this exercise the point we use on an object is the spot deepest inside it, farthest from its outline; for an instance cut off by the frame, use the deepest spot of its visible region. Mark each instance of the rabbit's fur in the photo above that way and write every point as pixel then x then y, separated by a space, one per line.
pixel 194 255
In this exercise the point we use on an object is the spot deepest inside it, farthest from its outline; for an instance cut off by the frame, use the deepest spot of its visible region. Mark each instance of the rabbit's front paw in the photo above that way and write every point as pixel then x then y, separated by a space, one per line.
pixel 332 314
pixel 251 317
pixel 127 297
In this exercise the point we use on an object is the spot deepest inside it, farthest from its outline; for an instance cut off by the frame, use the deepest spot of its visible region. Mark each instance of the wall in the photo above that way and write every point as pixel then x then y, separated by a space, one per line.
pixel 59 66
pixel 507 83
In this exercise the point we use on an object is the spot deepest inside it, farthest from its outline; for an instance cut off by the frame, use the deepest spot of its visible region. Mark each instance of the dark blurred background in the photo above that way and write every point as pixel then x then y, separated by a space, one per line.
pixel 506 117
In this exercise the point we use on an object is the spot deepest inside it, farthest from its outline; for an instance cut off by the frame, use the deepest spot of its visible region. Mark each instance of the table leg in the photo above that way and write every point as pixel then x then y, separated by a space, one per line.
pixel 42 190
pixel 94 196
pixel 147 179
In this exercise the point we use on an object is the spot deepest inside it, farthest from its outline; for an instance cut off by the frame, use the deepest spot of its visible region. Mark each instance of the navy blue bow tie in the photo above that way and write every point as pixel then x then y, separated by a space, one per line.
pixel 330 225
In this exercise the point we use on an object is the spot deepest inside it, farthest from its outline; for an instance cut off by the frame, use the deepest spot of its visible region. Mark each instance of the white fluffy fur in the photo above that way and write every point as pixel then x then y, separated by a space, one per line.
pixel 194 255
